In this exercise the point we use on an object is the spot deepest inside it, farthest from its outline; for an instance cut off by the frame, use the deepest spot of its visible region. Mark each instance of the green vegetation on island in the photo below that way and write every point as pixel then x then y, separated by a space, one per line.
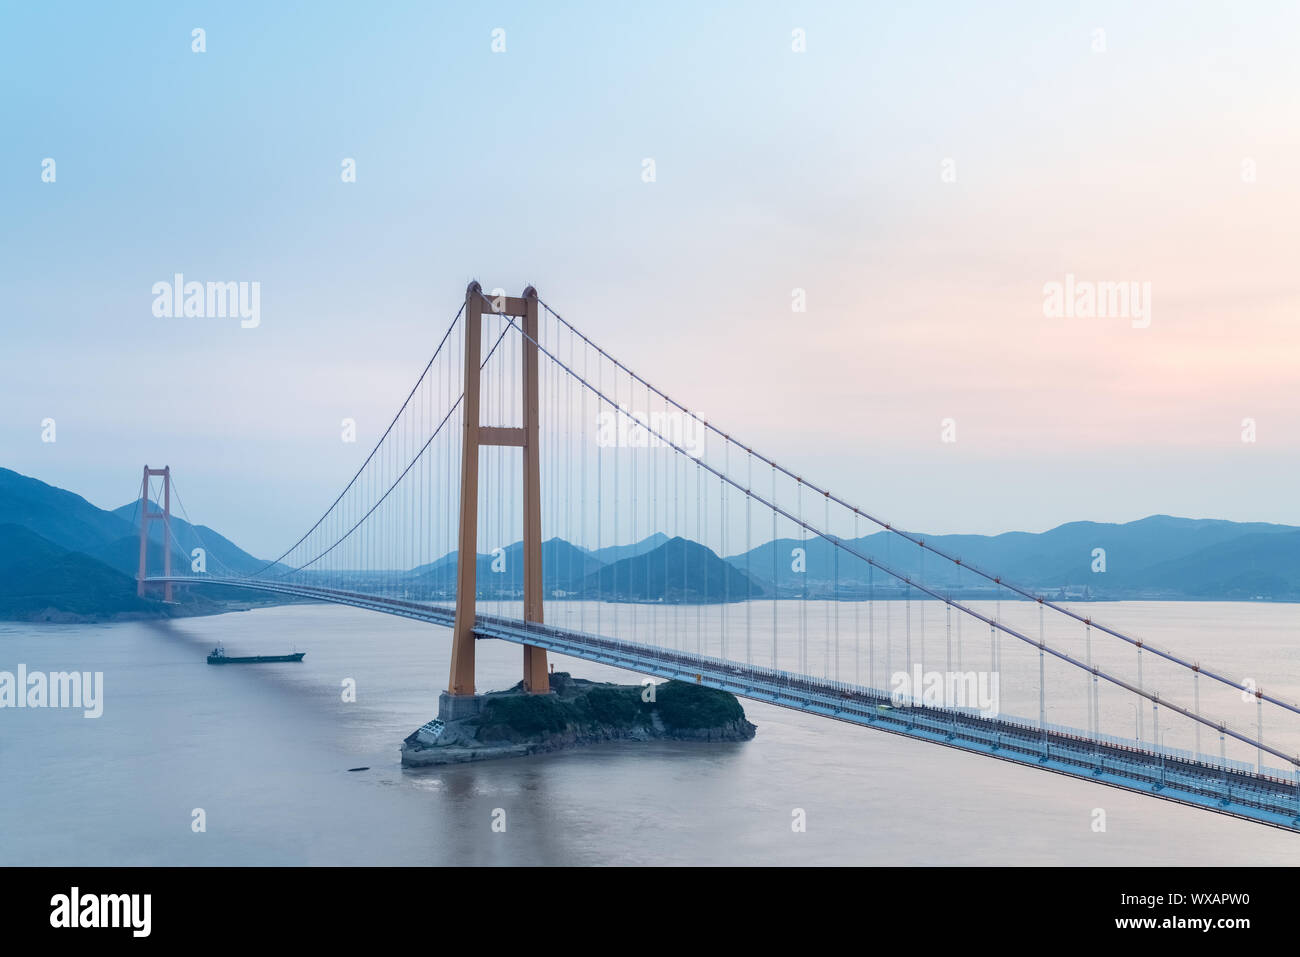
pixel 513 723
pixel 581 705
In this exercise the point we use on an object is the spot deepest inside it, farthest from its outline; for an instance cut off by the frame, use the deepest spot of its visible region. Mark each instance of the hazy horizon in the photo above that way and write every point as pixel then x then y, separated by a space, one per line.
pixel 629 539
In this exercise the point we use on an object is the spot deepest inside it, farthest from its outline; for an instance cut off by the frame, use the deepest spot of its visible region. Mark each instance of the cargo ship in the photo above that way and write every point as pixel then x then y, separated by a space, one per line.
pixel 219 657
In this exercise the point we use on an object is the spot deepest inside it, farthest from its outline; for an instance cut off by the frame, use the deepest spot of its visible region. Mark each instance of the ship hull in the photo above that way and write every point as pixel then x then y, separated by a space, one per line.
pixel 254 659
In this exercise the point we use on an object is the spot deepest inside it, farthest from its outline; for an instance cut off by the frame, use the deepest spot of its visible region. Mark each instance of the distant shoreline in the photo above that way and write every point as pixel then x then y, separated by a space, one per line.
pixel 55 616
pixel 52 616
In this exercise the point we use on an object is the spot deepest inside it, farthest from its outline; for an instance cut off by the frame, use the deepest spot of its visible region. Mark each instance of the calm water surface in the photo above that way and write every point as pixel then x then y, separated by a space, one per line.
pixel 265 752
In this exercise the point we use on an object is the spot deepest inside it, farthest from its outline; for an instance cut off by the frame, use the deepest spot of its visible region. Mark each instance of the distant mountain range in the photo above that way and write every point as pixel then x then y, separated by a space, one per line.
pixel 564 568
pixel 654 569
pixel 1159 557
pixel 62 558
pixel 1155 557
pixel 222 554
pixel 615 553
pixel 39 579
pixel 679 570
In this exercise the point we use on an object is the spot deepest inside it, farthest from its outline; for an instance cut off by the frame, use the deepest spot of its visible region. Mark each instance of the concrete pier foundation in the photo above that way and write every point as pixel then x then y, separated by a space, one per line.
pixel 453 707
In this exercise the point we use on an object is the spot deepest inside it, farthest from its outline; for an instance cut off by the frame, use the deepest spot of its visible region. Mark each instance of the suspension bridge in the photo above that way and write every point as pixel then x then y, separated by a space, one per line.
pixel 534 489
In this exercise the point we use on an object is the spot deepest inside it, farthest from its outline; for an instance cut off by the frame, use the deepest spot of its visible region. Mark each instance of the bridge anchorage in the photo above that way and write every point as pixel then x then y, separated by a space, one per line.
pixel 659 544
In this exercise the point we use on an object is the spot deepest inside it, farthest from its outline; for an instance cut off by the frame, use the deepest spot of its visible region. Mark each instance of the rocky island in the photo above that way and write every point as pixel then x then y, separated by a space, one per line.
pixel 514 723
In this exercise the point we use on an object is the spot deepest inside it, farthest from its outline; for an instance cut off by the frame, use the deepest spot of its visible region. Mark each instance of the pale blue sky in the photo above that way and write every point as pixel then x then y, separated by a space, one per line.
pixel 776 170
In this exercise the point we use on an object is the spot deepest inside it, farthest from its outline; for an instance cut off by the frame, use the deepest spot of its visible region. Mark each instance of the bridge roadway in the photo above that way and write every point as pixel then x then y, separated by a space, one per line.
pixel 1236 792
